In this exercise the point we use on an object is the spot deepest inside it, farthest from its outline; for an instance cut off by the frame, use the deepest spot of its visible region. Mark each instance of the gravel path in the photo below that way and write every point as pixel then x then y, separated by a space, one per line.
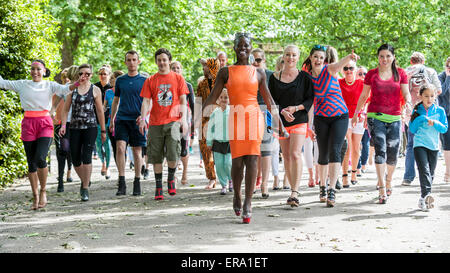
pixel 197 220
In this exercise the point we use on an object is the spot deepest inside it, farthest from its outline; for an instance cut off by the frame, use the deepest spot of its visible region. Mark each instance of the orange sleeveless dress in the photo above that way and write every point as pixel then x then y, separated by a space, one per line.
pixel 246 123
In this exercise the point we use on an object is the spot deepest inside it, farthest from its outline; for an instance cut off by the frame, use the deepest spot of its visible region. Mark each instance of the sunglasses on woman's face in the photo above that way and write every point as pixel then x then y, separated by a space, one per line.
pixel 84 73
pixel 258 60
pixel 351 68
pixel 362 74
pixel 103 74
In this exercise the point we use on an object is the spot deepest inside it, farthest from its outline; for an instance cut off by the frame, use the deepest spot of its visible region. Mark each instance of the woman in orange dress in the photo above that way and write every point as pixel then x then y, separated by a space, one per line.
pixel 246 124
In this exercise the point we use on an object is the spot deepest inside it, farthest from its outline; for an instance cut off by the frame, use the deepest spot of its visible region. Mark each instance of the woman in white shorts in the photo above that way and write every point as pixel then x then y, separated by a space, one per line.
pixel 351 90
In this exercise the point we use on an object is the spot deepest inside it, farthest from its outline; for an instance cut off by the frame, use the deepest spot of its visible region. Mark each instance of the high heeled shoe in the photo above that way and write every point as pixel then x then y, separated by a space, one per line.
pixel 211 185
pixel 246 218
pixel 237 210
pixel 258 183
pixel 311 183
pixel 354 182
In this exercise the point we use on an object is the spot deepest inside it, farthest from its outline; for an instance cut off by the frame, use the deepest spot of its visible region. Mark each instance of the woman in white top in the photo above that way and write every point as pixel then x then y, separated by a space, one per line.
pixel 37 125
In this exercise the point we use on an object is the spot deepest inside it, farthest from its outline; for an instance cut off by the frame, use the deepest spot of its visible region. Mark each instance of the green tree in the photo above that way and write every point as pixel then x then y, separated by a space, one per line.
pixel 364 25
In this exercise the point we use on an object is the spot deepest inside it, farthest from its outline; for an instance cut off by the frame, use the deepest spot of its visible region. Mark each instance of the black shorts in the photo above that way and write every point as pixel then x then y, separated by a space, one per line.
pixel 128 131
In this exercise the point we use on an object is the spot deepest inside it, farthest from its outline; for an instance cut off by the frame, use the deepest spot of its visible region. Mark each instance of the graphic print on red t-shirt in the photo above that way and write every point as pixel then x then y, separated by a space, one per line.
pixel 165 95
pixel 164 91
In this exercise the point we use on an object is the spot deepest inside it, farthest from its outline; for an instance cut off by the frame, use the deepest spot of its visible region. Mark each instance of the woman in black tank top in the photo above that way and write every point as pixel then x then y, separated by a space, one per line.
pixel 86 100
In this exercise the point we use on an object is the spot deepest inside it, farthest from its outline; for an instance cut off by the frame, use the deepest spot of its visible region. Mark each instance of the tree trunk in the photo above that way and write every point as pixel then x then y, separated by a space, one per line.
pixel 69 46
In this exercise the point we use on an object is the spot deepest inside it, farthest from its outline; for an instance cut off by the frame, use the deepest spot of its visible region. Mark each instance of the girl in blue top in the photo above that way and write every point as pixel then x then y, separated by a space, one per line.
pixel 427 122
pixel 217 141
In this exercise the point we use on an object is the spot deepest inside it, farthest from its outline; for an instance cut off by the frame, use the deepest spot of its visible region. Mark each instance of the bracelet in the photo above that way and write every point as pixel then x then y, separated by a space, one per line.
pixel 103 131
pixel 76 84
pixel 63 126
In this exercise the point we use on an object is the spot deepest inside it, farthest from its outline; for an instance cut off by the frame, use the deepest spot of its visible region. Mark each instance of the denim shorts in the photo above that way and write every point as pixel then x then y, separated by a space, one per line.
pixel 386 140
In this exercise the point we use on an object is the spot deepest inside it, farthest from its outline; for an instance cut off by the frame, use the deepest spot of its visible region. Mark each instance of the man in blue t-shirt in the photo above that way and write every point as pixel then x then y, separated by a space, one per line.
pixel 124 116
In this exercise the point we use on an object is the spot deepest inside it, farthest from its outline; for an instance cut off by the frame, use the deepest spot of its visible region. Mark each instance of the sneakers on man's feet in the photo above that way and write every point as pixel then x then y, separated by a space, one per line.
pixel 406 182
pixel 159 194
pixel 122 188
pixel 136 188
pixel 84 194
pixel 422 205
pixel 223 191
pixel 171 187
pixel 429 200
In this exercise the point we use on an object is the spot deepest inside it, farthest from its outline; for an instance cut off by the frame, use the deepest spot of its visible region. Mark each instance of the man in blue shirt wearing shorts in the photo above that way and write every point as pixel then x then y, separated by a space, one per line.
pixel 123 120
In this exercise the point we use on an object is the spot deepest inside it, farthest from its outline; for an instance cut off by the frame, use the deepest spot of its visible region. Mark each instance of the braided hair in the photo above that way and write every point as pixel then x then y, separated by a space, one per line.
pixel 424 87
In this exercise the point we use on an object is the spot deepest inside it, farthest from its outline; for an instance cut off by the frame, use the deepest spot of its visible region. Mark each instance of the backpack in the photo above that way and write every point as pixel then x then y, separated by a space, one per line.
pixel 418 79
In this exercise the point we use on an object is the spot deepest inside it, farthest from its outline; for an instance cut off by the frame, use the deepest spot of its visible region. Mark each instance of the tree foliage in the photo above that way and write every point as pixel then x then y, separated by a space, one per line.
pixel 101 32
pixel 26 33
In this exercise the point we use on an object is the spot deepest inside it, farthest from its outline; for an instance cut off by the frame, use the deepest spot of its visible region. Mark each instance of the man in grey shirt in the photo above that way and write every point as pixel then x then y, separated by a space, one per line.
pixel 417 66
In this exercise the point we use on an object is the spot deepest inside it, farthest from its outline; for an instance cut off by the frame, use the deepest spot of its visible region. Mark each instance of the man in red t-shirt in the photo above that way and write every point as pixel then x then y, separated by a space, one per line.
pixel 166 93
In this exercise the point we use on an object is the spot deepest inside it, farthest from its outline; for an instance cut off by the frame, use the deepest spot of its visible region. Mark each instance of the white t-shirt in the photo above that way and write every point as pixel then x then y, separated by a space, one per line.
pixel 35 96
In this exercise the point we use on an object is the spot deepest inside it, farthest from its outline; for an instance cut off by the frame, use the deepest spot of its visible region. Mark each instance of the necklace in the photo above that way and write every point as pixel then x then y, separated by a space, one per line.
pixel 350 84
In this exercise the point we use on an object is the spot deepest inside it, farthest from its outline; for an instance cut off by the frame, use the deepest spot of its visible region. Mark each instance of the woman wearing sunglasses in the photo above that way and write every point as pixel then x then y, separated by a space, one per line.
pixel 361 73
pixel 351 90
pixel 388 86
pixel 330 117
pixel 37 125
pixel 85 100
pixel 104 75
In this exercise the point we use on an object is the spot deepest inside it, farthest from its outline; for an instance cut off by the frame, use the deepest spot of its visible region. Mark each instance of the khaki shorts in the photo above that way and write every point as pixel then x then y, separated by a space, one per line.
pixel 164 141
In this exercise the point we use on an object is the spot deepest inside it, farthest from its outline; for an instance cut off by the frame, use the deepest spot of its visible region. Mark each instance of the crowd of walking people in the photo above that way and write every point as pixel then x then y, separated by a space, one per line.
pixel 338 114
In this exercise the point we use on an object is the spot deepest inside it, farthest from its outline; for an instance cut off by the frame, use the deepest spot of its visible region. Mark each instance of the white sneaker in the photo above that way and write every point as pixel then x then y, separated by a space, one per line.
pixel 429 201
pixel 422 204
pixel 223 191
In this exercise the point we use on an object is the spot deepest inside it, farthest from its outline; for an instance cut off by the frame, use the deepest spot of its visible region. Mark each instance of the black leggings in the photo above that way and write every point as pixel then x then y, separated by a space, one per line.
pixel 330 135
pixel 426 161
pixel 62 152
pixel 82 143
pixel 37 152
pixel 112 139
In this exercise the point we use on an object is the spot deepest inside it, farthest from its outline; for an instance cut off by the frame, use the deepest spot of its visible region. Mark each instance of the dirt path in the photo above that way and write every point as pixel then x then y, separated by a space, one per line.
pixel 196 220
